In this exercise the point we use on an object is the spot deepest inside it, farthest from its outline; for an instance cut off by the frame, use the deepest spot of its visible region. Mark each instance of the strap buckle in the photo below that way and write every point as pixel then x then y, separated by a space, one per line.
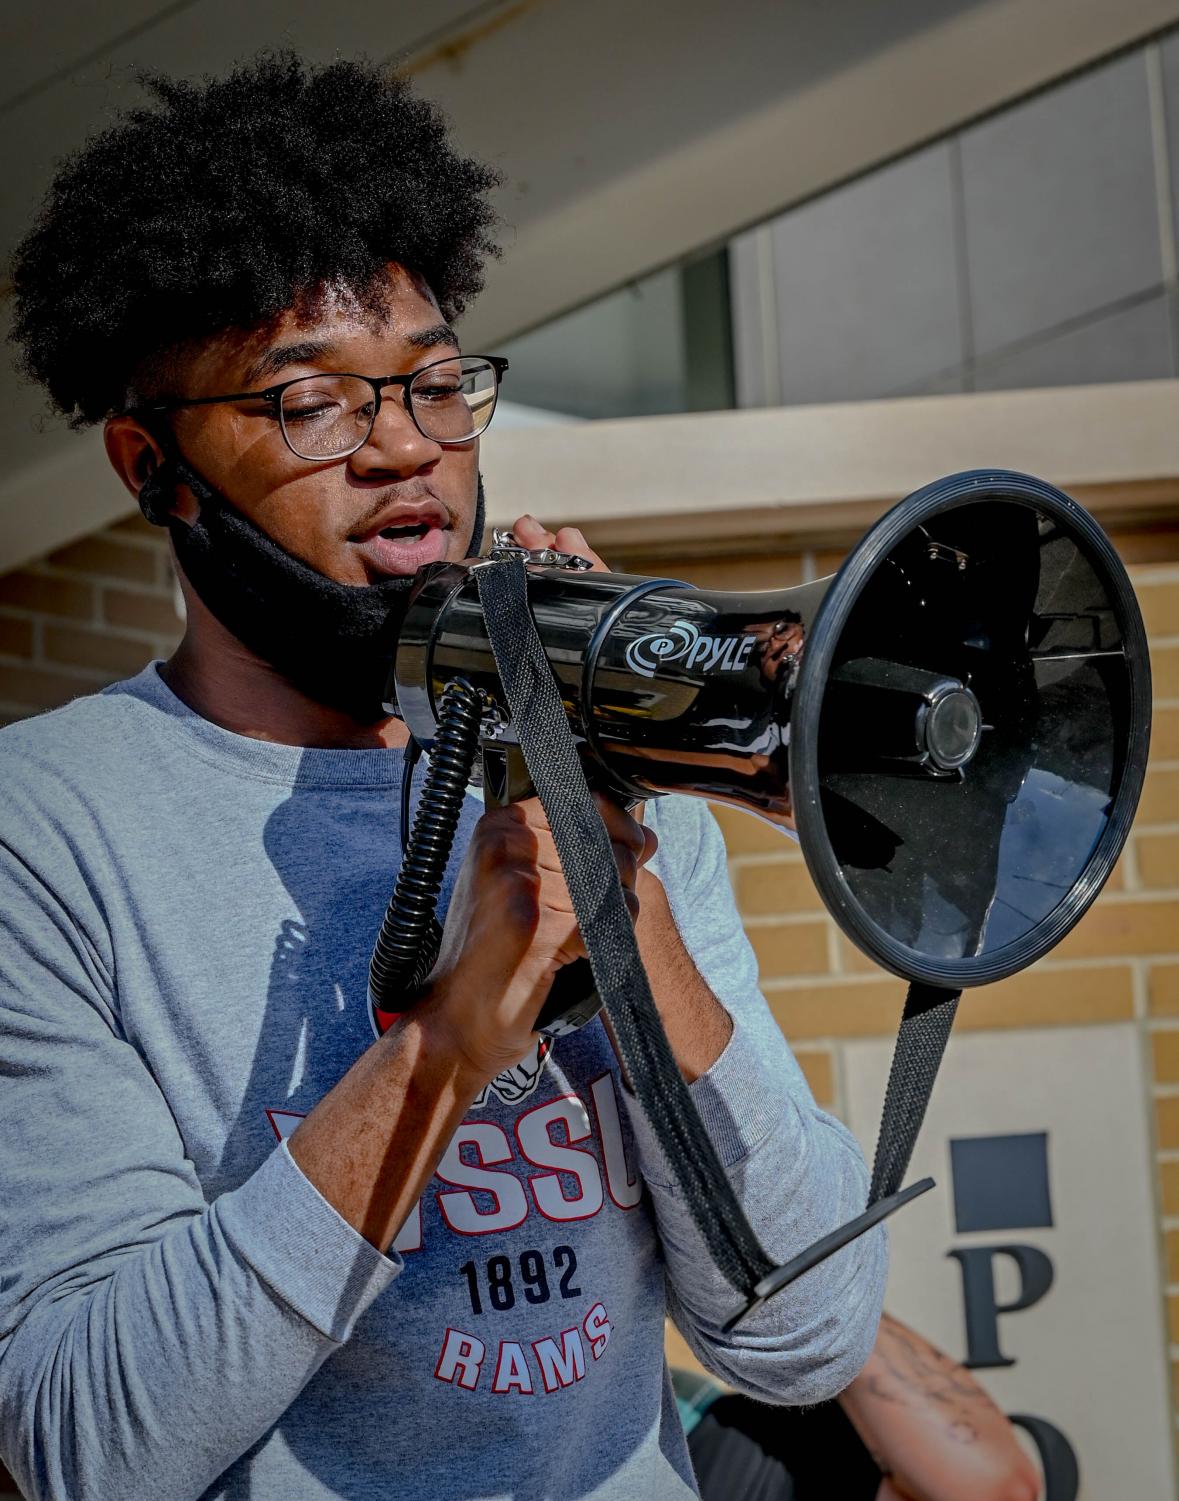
pixel 504 545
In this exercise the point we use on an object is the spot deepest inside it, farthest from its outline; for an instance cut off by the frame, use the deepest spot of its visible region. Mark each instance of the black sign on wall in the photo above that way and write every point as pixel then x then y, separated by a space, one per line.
pixel 1001 1183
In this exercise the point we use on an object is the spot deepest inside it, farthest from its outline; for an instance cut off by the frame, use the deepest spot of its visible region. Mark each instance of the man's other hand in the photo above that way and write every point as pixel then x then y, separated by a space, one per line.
pixel 533 534
pixel 510 928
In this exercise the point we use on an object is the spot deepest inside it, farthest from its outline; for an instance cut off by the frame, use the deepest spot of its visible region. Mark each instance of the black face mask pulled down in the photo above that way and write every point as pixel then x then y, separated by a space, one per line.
pixel 333 641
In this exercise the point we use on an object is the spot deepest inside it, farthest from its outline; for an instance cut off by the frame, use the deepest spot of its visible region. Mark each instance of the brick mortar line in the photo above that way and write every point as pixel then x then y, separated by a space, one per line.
pixel 834 950
pixel 22 612
pixel 128 635
pixel 789 985
pixel 742 862
pixel 100 580
pixel 1140 990
pixel 101 628
pixel 786 919
pixel 134 632
pixel 38 662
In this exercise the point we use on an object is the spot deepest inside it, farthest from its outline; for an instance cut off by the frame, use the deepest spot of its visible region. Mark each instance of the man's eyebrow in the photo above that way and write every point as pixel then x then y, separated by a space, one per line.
pixel 275 361
pixel 431 338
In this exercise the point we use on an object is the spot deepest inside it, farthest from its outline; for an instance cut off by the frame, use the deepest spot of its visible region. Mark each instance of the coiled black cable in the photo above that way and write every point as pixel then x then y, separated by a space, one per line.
pixel 407 945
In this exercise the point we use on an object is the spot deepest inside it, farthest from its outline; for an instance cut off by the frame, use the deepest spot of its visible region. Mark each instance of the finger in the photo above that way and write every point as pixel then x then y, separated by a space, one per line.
pixel 530 533
pixel 627 862
pixel 570 539
pixel 619 823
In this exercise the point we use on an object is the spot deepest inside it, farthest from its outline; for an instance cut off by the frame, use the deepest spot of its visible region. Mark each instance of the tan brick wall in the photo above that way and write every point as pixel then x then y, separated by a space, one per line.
pixel 85 616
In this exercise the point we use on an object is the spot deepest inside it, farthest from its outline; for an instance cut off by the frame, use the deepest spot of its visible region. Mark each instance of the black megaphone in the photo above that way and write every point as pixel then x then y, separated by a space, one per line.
pixel 955 726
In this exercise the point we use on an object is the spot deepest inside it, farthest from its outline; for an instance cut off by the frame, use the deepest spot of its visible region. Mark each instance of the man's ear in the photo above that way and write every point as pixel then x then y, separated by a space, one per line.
pixel 134 453
pixel 140 462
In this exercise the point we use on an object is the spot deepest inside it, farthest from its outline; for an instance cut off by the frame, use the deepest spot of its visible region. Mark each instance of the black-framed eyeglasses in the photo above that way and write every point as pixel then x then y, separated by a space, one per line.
pixel 330 416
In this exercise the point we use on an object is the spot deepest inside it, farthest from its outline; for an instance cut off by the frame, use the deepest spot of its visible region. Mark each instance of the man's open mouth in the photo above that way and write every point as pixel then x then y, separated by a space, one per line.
pixel 401 549
pixel 405 533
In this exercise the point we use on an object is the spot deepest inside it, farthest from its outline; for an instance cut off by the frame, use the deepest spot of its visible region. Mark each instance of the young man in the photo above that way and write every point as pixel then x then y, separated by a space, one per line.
pixel 448 1277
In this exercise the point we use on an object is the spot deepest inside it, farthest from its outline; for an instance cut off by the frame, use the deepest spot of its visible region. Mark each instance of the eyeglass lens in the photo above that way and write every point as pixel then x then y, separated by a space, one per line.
pixel 325 416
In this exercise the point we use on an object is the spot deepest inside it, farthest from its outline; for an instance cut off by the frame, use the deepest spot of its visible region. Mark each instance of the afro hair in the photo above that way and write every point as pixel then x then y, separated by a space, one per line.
pixel 224 204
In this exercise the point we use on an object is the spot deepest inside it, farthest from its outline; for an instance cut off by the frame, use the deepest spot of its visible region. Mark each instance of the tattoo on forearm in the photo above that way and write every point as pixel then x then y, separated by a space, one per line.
pixel 908 1372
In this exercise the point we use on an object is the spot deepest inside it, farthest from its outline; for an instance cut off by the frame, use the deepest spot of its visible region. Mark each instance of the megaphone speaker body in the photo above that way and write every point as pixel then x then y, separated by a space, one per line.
pixel 955 725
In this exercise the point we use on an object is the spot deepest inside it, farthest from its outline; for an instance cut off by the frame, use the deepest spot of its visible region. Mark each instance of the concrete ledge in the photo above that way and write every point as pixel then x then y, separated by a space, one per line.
pixel 817 476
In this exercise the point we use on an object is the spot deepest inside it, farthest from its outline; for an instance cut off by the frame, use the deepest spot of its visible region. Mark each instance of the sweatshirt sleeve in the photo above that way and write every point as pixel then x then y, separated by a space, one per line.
pixel 147 1338
pixel 797 1171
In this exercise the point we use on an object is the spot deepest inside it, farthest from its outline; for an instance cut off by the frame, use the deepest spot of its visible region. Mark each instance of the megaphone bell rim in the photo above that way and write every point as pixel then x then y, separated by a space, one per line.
pixel 944 495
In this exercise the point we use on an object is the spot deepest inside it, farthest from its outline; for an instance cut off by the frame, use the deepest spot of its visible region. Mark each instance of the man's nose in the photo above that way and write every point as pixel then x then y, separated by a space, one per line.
pixel 396 444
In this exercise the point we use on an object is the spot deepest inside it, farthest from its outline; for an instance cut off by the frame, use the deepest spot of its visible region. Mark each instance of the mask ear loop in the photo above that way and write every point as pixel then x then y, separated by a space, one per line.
pixel 156 494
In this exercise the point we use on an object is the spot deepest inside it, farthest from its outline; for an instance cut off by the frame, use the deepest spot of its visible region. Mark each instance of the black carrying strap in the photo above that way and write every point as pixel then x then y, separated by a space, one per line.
pixel 921 1041
pixel 587 859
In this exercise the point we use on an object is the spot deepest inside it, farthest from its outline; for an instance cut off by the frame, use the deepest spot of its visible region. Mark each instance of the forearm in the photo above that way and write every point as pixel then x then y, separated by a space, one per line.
pixel 156 1378
pixel 372 1143
pixel 698 1027
pixel 932 1427
pixel 797 1175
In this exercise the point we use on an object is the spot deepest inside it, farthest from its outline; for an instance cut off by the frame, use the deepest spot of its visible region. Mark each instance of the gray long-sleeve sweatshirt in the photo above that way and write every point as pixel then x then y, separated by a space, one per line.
pixel 186 917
